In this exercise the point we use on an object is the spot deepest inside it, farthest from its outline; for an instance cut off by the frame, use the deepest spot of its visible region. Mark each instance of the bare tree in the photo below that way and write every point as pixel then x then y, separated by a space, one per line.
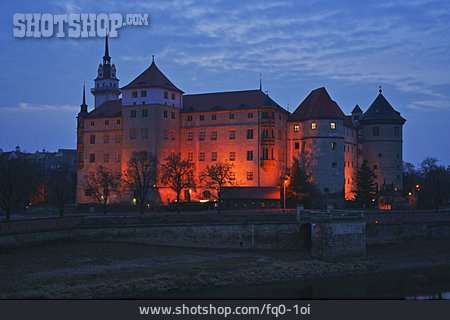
pixel 177 174
pixel 216 177
pixel 140 176
pixel 61 183
pixel 101 184
pixel 18 178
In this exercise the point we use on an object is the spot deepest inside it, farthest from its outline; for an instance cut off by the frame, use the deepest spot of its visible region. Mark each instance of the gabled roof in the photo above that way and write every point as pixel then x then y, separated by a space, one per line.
pixel 233 100
pixel 317 105
pixel 357 109
pixel 152 77
pixel 381 111
pixel 109 109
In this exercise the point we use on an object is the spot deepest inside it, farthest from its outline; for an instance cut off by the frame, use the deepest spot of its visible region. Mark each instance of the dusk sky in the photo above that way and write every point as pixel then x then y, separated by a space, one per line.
pixel 350 47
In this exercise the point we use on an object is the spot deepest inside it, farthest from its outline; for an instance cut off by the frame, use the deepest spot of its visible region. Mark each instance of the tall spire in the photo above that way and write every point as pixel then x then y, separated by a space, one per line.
pixel 83 106
pixel 260 82
pixel 106 57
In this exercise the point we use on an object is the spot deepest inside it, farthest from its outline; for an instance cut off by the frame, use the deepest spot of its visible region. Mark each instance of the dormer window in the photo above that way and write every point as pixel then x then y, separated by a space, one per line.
pixel 134 94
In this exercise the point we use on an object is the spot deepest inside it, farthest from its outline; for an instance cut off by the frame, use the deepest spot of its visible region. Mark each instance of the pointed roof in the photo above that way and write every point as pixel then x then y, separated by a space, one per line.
pixel 381 111
pixel 317 105
pixel 106 47
pixel 231 100
pixel 83 106
pixel 357 109
pixel 152 77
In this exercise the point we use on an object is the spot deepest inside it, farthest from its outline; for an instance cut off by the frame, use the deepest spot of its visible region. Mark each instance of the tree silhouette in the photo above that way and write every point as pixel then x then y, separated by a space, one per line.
pixel 177 174
pixel 140 176
pixel 216 177
pixel 61 184
pixel 365 185
pixel 101 184
pixel 299 187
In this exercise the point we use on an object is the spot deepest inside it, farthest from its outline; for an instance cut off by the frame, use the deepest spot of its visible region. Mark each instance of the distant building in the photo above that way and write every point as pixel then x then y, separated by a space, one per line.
pixel 246 128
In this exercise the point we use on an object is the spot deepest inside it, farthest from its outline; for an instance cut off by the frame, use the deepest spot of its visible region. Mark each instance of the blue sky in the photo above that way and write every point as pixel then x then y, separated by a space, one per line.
pixel 350 47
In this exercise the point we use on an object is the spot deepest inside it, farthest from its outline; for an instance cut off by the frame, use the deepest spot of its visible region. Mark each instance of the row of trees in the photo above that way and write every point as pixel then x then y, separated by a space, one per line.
pixel 24 182
pixel 142 175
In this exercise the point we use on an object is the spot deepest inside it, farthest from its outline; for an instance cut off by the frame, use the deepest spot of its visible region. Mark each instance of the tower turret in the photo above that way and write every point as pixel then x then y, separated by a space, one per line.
pixel 106 84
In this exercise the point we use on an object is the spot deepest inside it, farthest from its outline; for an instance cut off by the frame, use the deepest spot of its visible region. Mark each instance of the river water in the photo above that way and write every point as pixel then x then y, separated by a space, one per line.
pixel 410 285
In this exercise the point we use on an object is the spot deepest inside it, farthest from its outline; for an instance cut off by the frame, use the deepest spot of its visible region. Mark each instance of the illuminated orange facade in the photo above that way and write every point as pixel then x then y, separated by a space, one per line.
pixel 246 128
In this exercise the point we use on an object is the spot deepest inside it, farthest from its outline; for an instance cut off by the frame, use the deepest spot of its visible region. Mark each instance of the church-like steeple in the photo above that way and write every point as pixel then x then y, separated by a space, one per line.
pixel 106 84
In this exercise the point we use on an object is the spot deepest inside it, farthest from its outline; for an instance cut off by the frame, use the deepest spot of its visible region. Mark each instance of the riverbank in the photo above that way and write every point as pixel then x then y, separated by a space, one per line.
pixel 126 270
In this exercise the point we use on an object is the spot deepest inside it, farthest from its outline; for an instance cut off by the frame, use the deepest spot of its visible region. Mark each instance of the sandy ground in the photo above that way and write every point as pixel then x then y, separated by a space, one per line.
pixel 118 270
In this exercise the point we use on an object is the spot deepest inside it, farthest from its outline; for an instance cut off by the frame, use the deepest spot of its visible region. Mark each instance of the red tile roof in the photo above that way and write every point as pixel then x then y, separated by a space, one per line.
pixel 152 77
pixel 232 100
pixel 109 109
pixel 317 105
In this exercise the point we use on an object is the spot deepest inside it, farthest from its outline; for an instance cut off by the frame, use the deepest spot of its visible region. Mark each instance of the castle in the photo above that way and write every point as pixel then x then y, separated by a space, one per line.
pixel 246 128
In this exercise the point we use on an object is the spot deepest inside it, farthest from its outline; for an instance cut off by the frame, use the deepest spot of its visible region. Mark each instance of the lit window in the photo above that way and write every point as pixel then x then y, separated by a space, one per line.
pixel 296 128
pixel 313 126
pixel 333 125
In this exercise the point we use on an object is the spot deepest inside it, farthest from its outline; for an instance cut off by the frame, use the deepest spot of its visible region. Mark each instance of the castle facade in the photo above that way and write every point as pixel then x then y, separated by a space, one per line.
pixel 246 128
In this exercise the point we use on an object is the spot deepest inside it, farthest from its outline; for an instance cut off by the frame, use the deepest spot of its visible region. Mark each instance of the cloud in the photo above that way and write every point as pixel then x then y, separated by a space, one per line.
pixel 29 107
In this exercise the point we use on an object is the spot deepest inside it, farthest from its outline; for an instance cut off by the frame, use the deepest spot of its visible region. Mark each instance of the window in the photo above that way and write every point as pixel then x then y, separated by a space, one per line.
pixel 190 156
pixel 106 157
pixel 333 146
pixel 249 175
pixel 296 128
pixel 92 139
pixel 376 131
pixel 118 138
pixel 397 131
pixel 232 134
pixel 189 118
pixel 231 115
pixel 214 156
pixel 166 94
pixel 214 117
pixel 118 157
pixel 249 133
pixel 232 156
pixel 133 114
pixel 313 126
pixel 265 155
pixel 232 175
pixel 172 135
pixel 144 133
pixel 333 125
pixel 172 115
pixel 92 157
pixel 134 94
pixel 166 113
pixel 201 156
pixel 166 135
pixel 106 138
pixel 143 93
pixel 249 155
pixel 173 96
pixel 202 117
pixel 201 135
pixel 297 145
pixel 132 134
pixel 214 135
pixel 106 122
pixel 250 115
pixel 144 113
pixel 118 121
pixel 92 123
pixel 190 136
pixel 334 164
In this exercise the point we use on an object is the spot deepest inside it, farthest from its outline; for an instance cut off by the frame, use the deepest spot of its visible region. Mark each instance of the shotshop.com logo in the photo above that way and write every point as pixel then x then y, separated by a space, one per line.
pixel 74 25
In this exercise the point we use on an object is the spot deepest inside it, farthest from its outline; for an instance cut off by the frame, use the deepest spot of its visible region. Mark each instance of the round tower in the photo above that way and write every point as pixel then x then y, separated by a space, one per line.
pixel 382 142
